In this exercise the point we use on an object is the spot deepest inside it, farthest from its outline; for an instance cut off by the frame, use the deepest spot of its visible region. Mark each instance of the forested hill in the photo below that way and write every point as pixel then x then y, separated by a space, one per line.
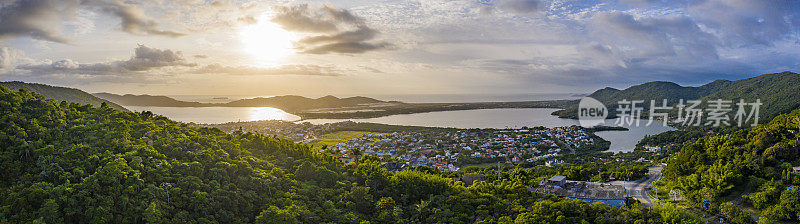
pixel 61 93
pixel 777 91
pixel 70 163
pixel 147 100
pixel 780 92
pixel 742 175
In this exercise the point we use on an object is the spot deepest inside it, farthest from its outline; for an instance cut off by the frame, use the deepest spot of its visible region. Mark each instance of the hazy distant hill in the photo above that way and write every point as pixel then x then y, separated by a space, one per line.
pixel 778 92
pixel 148 100
pixel 295 103
pixel 287 103
pixel 61 93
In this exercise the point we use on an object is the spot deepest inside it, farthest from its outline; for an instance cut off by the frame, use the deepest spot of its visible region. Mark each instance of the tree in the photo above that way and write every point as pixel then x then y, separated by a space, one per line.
pixel 306 171
pixel 275 215
pixel 153 214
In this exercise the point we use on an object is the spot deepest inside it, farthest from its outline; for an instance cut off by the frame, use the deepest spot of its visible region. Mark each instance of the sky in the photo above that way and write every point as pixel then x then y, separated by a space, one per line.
pixel 369 47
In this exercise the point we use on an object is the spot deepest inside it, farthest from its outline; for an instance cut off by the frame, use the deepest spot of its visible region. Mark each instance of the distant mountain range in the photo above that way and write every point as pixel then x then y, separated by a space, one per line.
pixel 297 103
pixel 287 103
pixel 778 93
pixel 331 107
pixel 61 94
pixel 148 100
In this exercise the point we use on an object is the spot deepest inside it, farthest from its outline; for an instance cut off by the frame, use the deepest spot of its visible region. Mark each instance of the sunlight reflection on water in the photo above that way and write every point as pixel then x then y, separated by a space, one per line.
pixel 215 115
pixel 270 113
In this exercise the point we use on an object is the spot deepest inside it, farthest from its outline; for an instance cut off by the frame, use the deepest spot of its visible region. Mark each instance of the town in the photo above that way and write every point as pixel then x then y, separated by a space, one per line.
pixel 443 149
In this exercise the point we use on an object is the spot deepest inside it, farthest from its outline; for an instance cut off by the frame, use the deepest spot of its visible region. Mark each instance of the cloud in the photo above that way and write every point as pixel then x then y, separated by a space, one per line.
pixel 362 33
pixel 220 4
pixel 641 3
pixel 7 57
pixel 133 18
pixel 42 19
pixel 346 47
pixel 521 6
pixel 332 30
pixel 10 57
pixel 311 70
pixel 747 23
pixel 653 37
pixel 247 19
pixel 33 18
pixel 144 59
pixel 148 62
pixel 205 17
pixel 303 19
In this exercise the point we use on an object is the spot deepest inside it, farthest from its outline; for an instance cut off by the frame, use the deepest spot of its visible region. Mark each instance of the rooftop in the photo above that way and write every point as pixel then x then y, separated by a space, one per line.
pixel 557 178
pixel 580 189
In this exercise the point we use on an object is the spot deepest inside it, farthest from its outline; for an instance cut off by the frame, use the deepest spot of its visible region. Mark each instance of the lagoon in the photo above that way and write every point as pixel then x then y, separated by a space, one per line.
pixel 625 141
pixel 482 118
pixel 621 141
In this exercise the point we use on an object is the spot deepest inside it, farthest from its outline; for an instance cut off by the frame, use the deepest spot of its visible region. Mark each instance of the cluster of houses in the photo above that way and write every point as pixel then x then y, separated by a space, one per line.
pixel 444 149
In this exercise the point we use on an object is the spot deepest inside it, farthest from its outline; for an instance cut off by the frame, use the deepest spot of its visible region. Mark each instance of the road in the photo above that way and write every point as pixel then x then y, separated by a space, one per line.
pixel 638 189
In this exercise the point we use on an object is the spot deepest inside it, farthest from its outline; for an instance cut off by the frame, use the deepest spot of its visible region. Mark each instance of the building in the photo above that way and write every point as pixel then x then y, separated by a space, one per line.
pixel 557 180
pixel 591 192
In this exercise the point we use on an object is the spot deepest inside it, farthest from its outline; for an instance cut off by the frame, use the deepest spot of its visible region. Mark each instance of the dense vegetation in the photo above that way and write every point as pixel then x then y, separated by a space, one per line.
pixel 673 141
pixel 72 163
pixel 778 92
pixel 61 94
pixel 744 174
pixel 593 171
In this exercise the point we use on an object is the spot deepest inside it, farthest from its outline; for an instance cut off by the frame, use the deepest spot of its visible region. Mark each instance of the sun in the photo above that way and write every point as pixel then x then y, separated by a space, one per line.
pixel 267 42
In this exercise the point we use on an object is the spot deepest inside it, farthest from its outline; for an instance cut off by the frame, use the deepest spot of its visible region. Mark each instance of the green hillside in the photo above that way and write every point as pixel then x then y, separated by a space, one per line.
pixel 742 175
pixel 61 94
pixel 777 91
pixel 69 163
